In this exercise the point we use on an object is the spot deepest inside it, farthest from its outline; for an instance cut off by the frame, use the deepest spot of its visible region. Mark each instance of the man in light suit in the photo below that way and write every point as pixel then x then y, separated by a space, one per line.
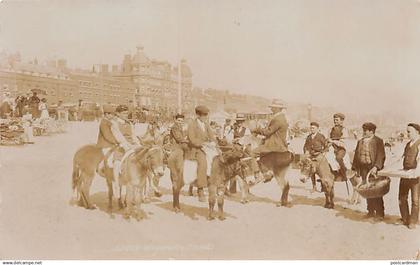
pixel 199 133
pixel 275 133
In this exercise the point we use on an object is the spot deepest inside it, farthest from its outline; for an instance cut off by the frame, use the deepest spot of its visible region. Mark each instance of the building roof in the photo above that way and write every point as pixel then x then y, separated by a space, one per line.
pixel 140 57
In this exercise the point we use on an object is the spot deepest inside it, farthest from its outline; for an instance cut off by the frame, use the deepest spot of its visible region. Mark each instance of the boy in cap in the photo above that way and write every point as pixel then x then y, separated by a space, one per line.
pixel 369 158
pixel 337 134
pixel 200 134
pixel 315 145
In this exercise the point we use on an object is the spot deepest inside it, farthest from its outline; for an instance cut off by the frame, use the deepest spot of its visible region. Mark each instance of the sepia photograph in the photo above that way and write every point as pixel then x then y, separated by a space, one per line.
pixel 276 130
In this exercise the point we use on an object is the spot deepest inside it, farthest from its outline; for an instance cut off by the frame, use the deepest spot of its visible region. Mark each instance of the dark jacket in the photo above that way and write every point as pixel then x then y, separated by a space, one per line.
pixel 315 145
pixel 197 137
pixel 377 153
pixel 410 155
pixel 178 137
pixel 105 137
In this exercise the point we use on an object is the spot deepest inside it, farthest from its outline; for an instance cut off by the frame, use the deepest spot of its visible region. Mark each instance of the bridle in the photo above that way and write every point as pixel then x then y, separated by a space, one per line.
pixel 147 160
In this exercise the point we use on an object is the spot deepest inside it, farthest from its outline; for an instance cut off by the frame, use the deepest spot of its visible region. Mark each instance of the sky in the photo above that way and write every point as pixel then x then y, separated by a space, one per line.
pixel 359 56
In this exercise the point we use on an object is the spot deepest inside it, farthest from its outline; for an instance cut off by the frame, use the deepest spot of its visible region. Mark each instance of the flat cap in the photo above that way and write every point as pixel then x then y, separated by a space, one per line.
pixel 202 109
pixel 122 108
pixel 369 126
pixel 314 123
pixel 339 115
pixel 415 126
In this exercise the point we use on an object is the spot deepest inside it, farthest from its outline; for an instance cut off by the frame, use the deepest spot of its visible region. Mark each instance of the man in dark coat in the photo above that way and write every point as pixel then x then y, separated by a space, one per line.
pixel 369 158
pixel 200 133
pixel 315 145
pixel 34 104
pixel 179 146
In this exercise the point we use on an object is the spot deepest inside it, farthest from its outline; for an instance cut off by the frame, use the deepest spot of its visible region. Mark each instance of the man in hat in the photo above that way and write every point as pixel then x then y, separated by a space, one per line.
pixel 275 133
pixel 200 137
pixel 315 145
pixel 239 129
pixel 228 130
pixel 369 158
pixel 338 134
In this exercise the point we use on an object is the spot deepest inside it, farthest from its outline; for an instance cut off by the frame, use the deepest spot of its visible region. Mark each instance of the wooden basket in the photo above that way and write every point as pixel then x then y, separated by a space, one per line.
pixel 375 188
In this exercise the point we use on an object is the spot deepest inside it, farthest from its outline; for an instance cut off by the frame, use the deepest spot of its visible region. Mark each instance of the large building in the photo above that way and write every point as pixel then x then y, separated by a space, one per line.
pixel 156 81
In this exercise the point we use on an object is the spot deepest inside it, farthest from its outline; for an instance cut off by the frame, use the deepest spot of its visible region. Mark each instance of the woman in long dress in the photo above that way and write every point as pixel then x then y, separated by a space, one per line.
pixel 43 108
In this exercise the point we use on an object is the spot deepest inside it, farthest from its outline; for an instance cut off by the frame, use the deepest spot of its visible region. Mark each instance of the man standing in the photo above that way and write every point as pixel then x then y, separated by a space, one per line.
pixel 228 130
pixel 275 134
pixel 411 162
pixel 337 134
pixel 369 158
pixel 34 105
pixel 200 135
pixel 315 145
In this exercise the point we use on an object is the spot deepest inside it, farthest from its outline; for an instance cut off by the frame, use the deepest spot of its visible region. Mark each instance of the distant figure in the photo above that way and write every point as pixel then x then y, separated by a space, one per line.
pixel 34 105
pixel 6 107
pixel 43 108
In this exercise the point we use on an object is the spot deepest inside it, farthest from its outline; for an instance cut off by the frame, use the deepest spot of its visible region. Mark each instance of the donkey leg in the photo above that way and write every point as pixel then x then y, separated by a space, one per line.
pixel 243 187
pixel 87 182
pixel 212 201
pixel 110 192
pixel 283 185
pixel 220 202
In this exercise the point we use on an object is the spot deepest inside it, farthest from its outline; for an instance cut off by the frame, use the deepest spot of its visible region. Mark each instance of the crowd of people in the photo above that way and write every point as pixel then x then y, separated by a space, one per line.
pixel 195 139
pixel 192 142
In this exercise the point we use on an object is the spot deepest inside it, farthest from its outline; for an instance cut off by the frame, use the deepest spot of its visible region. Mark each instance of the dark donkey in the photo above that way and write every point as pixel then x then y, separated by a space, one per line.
pixel 276 164
pixel 321 167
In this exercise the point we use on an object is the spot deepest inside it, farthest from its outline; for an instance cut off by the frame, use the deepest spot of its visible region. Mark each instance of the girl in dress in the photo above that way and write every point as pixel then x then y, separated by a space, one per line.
pixel 43 108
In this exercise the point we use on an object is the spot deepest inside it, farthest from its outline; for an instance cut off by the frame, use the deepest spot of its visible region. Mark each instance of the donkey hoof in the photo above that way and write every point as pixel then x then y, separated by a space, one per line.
pixel 222 217
pixel 210 217
pixel 244 201
pixel 91 207
pixel 177 210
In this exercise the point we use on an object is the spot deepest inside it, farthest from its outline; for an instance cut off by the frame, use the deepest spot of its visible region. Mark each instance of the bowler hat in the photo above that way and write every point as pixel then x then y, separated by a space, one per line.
pixel 369 126
pixel 277 103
